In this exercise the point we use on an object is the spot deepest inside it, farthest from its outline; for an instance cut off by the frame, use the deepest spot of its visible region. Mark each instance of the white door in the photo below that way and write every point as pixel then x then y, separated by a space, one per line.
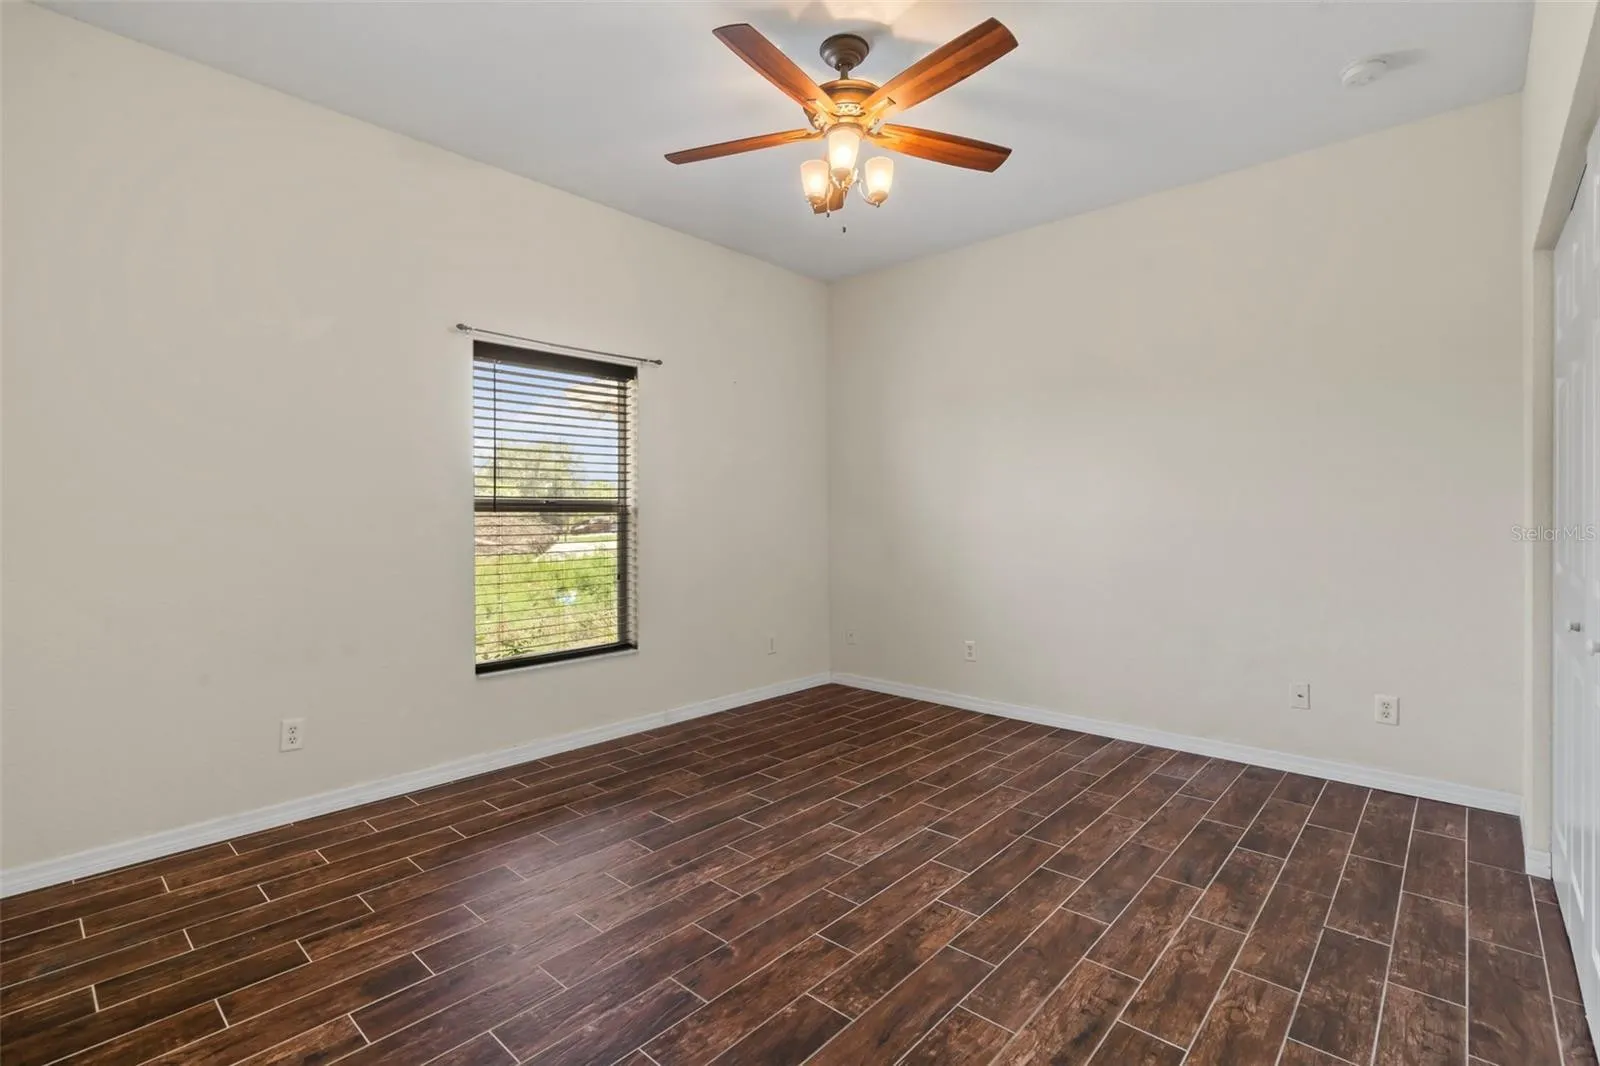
pixel 1575 825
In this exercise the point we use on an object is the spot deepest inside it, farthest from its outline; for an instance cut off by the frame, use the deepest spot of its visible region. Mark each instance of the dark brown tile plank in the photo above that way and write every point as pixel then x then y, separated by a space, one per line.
pixel 897 1021
pixel 84 1033
pixel 1240 888
pixel 786 857
pixel 1009 994
pixel 546 1020
pixel 487 1051
pixel 1577 1047
pixel 1296 1054
pixel 1072 1021
pixel 1338 1010
pixel 993 936
pixel 262 996
pixel 989 883
pixel 1419 1030
pixel 1246 1024
pixel 789 1037
pixel 1197 860
pixel 1559 964
pixel 90 971
pixel 753 908
pixel 871 975
pixel 1285 936
pixel 1086 852
pixel 975 812
pixel 1494 839
pixel 1298 788
pixel 1385 830
pixel 1214 779
pixel 266 1031
pixel 1501 908
pixel 1430 948
pixel 742 956
pixel 1174 999
pixel 1437 866
pixel 729 1018
pixel 1339 807
pixel 983 843
pixel 1317 861
pixel 146 1042
pixel 892 906
pixel 1125 1046
pixel 1111 887
pixel 959 1039
pixel 1168 827
pixel 1276 828
pixel 63 1010
pixel 1140 934
pixel 1072 817
pixel 1511 1019
pixel 1368 897
pixel 1243 799
pixel 613 1036
pixel 1444 819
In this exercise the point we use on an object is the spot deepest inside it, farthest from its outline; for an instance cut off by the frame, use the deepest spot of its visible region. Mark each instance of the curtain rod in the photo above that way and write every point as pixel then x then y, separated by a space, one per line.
pixel 462 327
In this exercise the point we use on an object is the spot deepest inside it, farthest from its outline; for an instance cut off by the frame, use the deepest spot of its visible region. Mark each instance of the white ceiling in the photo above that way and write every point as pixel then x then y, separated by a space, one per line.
pixel 1101 102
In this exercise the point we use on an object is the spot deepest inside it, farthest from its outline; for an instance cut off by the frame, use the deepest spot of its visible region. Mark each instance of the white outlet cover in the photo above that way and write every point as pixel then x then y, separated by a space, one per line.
pixel 1386 710
pixel 291 734
pixel 1300 699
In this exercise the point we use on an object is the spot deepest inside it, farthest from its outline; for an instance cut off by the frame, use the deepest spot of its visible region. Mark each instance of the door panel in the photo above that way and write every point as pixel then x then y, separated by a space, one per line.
pixel 1575 572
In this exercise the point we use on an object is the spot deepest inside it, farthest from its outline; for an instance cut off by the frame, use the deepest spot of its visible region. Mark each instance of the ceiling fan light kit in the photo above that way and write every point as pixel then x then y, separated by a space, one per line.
pixel 848 112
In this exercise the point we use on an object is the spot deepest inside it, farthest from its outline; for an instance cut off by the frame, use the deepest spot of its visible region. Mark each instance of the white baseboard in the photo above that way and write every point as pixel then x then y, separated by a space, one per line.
pixel 1366 776
pixel 1538 863
pixel 171 841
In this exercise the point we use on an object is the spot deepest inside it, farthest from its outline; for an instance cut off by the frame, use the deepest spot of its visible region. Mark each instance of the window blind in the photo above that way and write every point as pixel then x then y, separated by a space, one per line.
pixel 553 506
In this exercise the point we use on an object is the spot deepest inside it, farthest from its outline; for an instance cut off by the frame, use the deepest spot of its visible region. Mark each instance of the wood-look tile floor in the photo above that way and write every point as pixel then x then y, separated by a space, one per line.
pixel 835 877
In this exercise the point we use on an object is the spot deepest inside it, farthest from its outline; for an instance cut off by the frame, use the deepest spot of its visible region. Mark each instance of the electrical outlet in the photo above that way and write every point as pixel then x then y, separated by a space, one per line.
pixel 849 636
pixel 1301 701
pixel 972 650
pixel 291 734
pixel 1386 710
pixel 772 645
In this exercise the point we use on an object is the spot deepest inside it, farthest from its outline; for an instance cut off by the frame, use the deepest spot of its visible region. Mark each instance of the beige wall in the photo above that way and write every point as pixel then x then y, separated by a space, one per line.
pixel 1560 98
pixel 237 445
pixel 1166 460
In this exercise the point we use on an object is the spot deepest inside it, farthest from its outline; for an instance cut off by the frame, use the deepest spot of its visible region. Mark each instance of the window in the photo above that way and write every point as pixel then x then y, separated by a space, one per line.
pixel 552 452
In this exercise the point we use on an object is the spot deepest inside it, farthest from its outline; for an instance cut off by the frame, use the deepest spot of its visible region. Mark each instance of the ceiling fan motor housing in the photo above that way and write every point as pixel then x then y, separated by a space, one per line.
pixel 844 52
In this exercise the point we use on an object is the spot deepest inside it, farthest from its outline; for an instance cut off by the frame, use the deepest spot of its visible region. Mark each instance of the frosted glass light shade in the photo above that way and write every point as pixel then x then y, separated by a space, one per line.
pixel 879 176
pixel 843 144
pixel 814 179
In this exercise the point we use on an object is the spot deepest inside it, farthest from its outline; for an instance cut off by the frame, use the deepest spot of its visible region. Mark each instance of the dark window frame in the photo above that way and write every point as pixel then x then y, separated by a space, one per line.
pixel 622 507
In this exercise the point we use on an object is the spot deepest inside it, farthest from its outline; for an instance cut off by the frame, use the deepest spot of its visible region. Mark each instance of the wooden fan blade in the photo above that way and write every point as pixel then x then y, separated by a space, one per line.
pixel 743 144
pixel 942 68
pixel 749 45
pixel 835 202
pixel 942 147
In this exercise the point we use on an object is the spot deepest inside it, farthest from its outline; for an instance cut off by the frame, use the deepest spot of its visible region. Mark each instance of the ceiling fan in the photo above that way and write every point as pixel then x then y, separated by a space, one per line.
pixel 846 111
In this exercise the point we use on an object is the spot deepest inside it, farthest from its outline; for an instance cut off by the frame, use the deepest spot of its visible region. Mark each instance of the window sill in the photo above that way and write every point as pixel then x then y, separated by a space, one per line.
pixel 599 656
